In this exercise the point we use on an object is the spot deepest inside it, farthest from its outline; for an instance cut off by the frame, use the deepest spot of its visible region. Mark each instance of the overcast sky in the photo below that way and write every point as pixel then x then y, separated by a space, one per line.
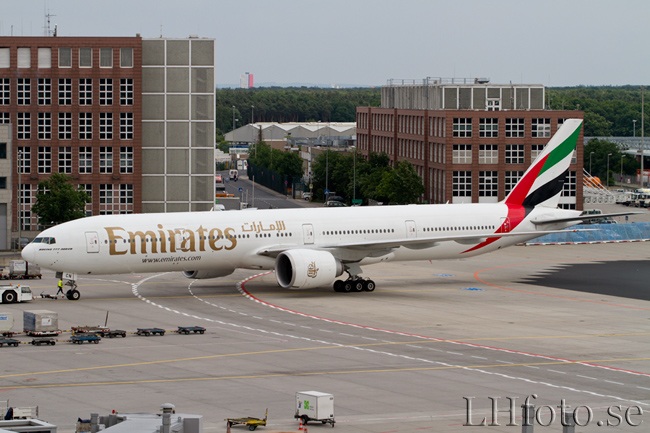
pixel 367 42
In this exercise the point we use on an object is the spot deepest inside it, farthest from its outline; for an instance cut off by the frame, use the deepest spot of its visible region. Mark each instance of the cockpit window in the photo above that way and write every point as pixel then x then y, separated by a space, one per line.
pixel 48 241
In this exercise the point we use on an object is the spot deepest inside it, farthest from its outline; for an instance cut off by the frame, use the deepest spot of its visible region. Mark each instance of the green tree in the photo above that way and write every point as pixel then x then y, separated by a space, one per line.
pixel 57 201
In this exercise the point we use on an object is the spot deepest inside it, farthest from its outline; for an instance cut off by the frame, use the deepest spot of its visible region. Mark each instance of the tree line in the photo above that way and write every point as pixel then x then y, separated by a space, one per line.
pixel 609 110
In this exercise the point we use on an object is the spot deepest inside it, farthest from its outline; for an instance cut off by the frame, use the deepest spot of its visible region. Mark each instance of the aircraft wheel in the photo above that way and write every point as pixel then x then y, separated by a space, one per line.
pixel 369 285
pixel 338 286
pixel 347 286
pixel 358 285
pixel 73 295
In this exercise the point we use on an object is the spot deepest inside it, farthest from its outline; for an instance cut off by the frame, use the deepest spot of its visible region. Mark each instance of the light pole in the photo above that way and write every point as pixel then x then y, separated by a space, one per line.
pixel 634 128
pixel 20 198
pixel 608 155
pixel 233 123
pixel 590 155
pixel 622 155
pixel 642 134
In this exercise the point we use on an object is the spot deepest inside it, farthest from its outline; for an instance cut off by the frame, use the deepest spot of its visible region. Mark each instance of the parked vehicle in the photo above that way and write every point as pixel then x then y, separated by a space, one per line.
pixel 18 293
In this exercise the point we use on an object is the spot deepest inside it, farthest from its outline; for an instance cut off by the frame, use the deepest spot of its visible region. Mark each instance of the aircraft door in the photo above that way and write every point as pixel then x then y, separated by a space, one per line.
pixel 505 224
pixel 308 234
pixel 92 242
pixel 411 229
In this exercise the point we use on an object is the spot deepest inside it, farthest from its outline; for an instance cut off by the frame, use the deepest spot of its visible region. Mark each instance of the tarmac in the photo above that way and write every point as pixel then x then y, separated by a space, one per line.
pixel 557 322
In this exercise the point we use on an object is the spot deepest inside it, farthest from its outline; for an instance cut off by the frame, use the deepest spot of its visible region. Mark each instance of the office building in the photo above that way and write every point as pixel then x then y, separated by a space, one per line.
pixel 468 139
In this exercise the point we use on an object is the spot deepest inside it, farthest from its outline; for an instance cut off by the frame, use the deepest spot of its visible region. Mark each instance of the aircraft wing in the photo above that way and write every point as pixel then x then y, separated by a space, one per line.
pixel 581 218
pixel 373 248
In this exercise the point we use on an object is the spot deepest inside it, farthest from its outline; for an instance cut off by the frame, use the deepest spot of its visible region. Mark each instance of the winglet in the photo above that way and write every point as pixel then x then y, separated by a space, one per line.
pixel 542 183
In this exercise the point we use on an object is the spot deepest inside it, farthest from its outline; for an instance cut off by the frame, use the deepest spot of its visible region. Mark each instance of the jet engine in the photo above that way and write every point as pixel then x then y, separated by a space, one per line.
pixel 210 273
pixel 306 269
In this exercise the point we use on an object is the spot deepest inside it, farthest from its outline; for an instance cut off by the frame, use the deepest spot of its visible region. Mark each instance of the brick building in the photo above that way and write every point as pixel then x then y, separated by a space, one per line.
pixel 469 140
pixel 74 106
pixel 86 107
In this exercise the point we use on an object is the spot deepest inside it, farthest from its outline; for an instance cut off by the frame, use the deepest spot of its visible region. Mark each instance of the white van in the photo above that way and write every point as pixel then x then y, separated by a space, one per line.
pixel 234 174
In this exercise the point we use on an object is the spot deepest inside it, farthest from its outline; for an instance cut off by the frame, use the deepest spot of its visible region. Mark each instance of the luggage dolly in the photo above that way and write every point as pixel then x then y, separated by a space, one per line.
pixel 252 423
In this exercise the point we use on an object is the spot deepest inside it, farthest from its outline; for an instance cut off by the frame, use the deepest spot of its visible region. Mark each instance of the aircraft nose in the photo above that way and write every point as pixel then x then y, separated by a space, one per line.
pixel 29 253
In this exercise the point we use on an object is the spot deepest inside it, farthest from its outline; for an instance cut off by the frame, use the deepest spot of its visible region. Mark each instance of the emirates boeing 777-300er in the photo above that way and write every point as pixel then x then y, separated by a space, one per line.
pixel 312 247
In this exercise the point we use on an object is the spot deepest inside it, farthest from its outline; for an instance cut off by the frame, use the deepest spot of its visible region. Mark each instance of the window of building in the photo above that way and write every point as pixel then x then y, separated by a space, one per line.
pixel 514 153
pixel 541 128
pixel 126 126
pixel 535 150
pixel 488 127
pixel 462 183
pixel 85 57
pixel 462 127
pixel 85 126
pixel 24 159
pixel 5 91
pixel 3 150
pixel 488 154
pixel 44 159
pixel 5 118
pixel 126 91
pixel 85 159
pixel 462 154
pixel 44 126
pixel 493 104
pixel 105 57
pixel 126 57
pixel 24 58
pixel 105 91
pixel 65 57
pixel 514 127
pixel 45 58
pixel 65 91
pixel 511 179
pixel 65 126
pixel 24 126
pixel 126 159
pixel 24 89
pixel 3 183
pixel 105 126
pixel 5 57
pixel 106 159
pixel 570 185
pixel 85 91
pixel 126 193
pixel 65 159
pixel 44 91
pixel 488 184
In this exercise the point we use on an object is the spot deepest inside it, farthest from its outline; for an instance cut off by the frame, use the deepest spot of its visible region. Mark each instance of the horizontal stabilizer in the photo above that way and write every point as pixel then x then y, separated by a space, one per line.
pixel 581 218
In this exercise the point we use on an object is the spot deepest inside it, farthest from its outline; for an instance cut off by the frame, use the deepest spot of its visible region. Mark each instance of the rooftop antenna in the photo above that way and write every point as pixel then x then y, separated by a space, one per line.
pixel 161 31
pixel 49 31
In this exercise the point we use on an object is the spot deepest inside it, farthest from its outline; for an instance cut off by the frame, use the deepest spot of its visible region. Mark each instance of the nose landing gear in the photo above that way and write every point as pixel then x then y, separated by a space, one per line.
pixel 72 294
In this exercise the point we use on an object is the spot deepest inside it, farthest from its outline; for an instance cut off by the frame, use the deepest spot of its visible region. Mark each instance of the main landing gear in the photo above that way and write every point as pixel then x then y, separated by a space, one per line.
pixel 354 285
pixel 72 293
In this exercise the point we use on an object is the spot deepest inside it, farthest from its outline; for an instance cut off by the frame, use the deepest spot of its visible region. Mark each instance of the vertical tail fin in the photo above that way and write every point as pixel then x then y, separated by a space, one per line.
pixel 542 183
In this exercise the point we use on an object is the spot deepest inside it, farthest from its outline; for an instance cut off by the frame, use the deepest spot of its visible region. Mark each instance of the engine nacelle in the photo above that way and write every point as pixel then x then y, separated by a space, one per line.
pixel 306 269
pixel 210 273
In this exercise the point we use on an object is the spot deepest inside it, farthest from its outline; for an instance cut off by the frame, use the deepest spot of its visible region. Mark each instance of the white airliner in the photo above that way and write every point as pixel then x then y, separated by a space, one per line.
pixel 312 247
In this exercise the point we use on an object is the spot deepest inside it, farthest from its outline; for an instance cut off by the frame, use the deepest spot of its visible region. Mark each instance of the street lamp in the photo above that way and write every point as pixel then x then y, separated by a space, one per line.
pixel 622 155
pixel 590 155
pixel 233 123
pixel 608 155
pixel 634 127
